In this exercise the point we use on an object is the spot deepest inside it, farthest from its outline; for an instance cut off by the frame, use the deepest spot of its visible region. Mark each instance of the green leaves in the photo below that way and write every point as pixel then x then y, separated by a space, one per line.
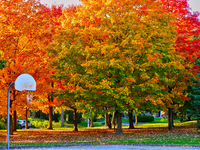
pixel 2 64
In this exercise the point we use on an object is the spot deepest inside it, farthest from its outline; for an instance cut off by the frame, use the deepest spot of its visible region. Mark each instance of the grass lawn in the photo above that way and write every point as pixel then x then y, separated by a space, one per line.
pixel 152 133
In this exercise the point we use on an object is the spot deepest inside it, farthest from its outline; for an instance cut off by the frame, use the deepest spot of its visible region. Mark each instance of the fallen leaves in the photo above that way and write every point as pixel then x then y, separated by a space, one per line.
pixel 182 136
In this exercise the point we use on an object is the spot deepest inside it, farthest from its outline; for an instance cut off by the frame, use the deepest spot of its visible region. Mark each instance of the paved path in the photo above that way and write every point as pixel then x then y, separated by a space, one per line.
pixel 112 147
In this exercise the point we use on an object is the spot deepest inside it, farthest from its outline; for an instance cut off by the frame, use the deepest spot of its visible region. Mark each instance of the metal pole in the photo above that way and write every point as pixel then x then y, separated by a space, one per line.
pixel 8 115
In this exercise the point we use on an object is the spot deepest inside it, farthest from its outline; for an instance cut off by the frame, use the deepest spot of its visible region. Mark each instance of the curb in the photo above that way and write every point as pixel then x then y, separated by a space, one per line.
pixel 102 144
pixel 44 146
pixel 156 145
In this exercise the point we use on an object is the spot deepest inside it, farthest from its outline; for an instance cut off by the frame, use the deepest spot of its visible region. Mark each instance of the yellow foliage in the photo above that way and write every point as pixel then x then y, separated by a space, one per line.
pixel 144 76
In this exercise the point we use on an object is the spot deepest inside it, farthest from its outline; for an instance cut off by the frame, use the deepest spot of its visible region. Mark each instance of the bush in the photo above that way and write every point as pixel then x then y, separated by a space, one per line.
pixel 144 118
pixel 94 119
pixel 39 123
pixel 45 124
pixel 2 125
pixel 18 126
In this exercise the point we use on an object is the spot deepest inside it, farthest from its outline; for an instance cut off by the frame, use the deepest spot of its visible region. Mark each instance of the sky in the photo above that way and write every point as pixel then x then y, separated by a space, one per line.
pixel 194 4
pixel 65 2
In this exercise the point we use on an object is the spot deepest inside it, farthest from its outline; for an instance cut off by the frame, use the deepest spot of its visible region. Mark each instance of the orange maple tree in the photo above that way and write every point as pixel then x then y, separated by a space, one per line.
pixel 26 28
pixel 45 100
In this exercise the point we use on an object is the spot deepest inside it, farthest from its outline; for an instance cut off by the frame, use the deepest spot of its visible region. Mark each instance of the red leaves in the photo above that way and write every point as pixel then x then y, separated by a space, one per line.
pixel 70 9
pixel 184 97
pixel 131 80
pixel 196 68
pixel 97 92
pixel 56 10
pixel 187 26
pixel 105 37
pixel 70 87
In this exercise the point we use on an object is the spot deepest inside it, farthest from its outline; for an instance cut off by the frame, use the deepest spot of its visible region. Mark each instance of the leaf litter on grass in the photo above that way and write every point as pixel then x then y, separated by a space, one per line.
pixel 181 136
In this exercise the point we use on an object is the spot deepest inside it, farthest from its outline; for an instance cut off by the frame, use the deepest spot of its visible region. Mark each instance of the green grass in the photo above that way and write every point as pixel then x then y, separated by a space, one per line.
pixel 158 122
pixel 81 125
pixel 176 139
pixel 85 124
pixel 161 120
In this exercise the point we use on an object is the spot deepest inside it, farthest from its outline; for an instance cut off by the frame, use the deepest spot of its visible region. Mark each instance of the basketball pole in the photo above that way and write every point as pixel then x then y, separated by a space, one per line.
pixel 8 116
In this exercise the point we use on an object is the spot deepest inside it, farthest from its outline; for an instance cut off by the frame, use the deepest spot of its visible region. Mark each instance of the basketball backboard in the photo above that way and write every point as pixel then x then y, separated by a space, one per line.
pixel 25 82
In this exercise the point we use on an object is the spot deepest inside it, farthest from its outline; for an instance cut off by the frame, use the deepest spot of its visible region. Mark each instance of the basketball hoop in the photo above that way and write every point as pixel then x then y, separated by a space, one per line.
pixel 29 97
pixel 23 82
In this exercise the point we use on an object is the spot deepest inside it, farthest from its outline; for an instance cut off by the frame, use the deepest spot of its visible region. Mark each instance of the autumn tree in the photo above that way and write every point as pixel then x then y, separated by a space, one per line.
pixel 45 95
pixel 187 26
pixel 120 49
pixel 69 96
pixel 20 26
pixel 26 28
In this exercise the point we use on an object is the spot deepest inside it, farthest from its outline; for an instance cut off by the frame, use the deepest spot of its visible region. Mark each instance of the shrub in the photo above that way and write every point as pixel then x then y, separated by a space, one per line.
pixel 144 118
pixel 2 125
pixel 45 124
pixel 33 124
pixel 39 124
pixel 18 126
pixel 94 119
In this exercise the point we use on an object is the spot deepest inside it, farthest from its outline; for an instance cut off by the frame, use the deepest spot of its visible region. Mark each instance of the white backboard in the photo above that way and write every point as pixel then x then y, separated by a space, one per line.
pixel 25 82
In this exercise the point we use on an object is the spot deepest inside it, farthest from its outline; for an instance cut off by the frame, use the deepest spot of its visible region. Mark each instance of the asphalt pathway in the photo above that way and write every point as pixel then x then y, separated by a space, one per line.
pixel 110 147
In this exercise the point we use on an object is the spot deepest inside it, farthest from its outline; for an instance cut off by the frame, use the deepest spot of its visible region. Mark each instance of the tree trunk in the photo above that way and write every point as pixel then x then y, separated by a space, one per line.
pixel 130 114
pixel 11 125
pixel 198 122
pixel 91 122
pixel 50 99
pixel 170 113
pixel 109 122
pixel 173 119
pixel 88 125
pixel 170 118
pixel 50 118
pixel 15 121
pixel 91 119
pixel 119 123
pixel 26 119
pixel 106 119
pixel 62 118
pixel 75 120
pixel 113 119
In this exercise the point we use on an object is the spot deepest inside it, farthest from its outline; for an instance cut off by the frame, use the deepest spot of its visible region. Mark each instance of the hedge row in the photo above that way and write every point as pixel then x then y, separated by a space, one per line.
pixel 39 123
pixel 144 118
